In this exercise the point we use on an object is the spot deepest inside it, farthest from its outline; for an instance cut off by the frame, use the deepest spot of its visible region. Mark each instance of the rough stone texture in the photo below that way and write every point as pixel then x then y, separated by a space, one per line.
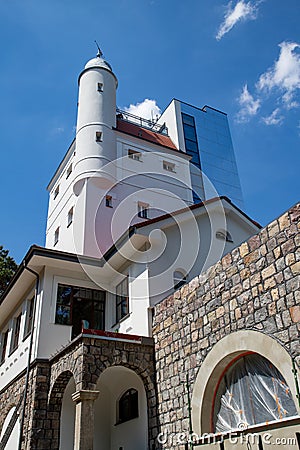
pixel 255 287
pixel 84 359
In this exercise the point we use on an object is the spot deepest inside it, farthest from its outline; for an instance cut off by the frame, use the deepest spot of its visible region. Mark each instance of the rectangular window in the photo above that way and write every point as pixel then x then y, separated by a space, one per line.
pixel 80 308
pixel 69 171
pixel 56 236
pixel 4 339
pixel 108 201
pixel 100 87
pixel 56 192
pixel 98 136
pixel 70 216
pixel 132 154
pixel 29 317
pixel 170 167
pixel 16 332
pixel 122 299
pixel 143 210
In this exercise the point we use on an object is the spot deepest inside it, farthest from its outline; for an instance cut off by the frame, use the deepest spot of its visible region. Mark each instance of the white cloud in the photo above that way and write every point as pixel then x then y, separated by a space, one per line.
pixel 274 119
pixel 148 109
pixel 242 11
pixel 249 106
pixel 284 74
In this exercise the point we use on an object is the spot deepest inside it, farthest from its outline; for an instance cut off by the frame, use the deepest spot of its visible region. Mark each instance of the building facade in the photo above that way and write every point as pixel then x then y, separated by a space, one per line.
pixel 125 330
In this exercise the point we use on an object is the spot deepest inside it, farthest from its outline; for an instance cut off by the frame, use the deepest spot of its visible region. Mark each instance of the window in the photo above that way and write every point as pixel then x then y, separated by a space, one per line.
pixel 16 332
pixel 224 235
pixel 77 306
pixel 69 171
pixel 143 209
pixel 4 339
pixel 122 299
pixel 100 87
pixel 29 317
pixel 98 136
pixel 179 279
pixel 108 201
pixel 252 391
pixel 132 154
pixel 56 236
pixel 128 407
pixel 170 167
pixel 56 192
pixel 70 216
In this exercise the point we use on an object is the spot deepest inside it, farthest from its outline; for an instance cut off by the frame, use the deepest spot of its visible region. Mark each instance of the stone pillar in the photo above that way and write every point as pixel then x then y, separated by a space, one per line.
pixel 84 419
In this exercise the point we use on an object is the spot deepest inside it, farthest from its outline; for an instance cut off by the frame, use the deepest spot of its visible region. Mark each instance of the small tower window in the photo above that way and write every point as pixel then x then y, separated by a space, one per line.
pixel 179 279
pixel 143 210
pixel 69 171
pixel 108 201
pixel 224 235
pixel 128 407
pixel 70 216
pixel 132 154
pixel 170 167
pixel 100 87
pixel 56 192
pixel 56 236
pixel 98 136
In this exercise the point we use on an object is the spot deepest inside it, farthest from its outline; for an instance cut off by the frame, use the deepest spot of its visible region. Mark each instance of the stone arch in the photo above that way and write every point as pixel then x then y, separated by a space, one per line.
pixel 218 359
pixel 55 401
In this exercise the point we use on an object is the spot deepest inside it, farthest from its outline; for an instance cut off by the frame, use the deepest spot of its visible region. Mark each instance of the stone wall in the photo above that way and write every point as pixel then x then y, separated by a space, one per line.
pixel 255 287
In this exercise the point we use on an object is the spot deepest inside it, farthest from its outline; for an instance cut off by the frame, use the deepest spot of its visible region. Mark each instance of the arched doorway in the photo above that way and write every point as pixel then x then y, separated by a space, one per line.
pixel 67 419
pixel 121 411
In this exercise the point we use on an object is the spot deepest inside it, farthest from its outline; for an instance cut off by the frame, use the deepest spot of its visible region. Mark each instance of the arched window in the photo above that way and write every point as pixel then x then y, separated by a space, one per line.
pixel 128 407
pixel 224 235
pixel 251 391
pixel 179 279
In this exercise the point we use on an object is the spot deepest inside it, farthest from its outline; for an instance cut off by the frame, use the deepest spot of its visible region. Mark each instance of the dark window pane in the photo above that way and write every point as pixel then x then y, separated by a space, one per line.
pixel 189 133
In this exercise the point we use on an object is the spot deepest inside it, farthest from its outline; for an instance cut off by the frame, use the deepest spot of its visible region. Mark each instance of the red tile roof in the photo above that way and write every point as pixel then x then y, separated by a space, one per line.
pixel 144 133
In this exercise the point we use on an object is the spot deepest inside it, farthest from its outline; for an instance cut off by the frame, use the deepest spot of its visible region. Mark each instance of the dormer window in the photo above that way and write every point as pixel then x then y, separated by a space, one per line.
pixel 170 167
pixel 69 171
pixel 132 154
pixel 98 136
pixel 100 87
pixel 224 235
pixel 56 192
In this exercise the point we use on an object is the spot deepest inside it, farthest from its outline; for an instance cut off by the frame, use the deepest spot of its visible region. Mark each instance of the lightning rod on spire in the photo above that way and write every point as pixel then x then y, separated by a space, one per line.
pixel 99 54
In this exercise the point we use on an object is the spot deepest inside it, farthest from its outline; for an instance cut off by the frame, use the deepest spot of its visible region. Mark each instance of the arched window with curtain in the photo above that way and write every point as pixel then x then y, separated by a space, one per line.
pixel 179 279
pixel 128 406
pixel 252 391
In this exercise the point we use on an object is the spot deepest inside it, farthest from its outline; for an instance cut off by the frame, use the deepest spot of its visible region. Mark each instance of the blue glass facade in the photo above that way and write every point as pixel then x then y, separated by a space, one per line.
pixel 208 140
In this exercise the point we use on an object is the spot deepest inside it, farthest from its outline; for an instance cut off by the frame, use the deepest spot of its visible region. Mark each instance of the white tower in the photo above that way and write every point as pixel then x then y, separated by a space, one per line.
pixel 95 137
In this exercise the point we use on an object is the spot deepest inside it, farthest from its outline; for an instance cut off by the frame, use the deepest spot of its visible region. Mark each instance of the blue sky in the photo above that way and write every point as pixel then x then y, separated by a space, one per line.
pixel 242 57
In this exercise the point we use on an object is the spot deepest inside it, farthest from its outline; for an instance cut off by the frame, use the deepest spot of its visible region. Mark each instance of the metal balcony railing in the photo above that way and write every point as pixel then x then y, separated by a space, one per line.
pixel 141 122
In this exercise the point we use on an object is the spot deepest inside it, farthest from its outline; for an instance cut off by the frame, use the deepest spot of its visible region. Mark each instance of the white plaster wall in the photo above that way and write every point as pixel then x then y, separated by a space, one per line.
pixel 13 440
pixel 131 435
pixel 172 117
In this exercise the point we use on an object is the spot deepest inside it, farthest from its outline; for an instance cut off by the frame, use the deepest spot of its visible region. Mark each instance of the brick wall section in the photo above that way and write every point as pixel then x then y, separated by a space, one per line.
pixel 254 287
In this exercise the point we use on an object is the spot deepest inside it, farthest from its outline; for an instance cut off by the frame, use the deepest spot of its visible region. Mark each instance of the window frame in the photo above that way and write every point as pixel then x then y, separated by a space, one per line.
pixel 56 192
pixel 16 331
pixel 69 171
pixel 122 299
pixel 100 87
pixel 135 155
pixel 99 136
pixel 128 406
pixel 143 210
pixel 70 216
pixel 4 345
pixel 29 317
pixel 108 201
pixel 56 236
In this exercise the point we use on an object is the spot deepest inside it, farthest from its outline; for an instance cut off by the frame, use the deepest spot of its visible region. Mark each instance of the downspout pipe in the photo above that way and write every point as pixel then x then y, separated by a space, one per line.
pixel 29 353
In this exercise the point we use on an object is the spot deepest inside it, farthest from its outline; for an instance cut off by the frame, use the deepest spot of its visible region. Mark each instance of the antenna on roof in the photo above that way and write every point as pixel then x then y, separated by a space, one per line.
pixel 99 54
